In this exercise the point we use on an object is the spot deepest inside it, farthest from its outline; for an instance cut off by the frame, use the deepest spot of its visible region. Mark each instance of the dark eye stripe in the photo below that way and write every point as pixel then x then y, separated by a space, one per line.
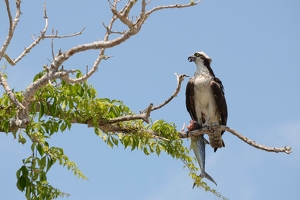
pixel 197 54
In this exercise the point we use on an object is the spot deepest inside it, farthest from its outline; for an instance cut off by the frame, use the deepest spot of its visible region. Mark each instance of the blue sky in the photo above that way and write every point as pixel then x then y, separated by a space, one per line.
pixel 255 48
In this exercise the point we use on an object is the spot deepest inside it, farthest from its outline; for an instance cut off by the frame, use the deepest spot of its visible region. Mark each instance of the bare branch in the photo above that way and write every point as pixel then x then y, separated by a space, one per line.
pixel 124 19
pixel 110 31
pixel 67 79
pixel 12 25
pixel 52 44
pixel 41 37
pixel 64 36
pixel 27 50
pixel 144 116
pixel 143 16
pixel 180 78
pixel 171 6
pixel 9 92
pixel 134 28
pixel 127 8
pixel 219 128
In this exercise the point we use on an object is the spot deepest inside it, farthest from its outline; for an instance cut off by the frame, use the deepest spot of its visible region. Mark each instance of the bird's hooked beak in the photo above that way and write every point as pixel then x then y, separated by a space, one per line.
pixel 192 58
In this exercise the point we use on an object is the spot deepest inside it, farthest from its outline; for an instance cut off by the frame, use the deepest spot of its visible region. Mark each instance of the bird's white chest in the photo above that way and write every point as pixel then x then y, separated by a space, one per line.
pixel 203 91
pixel 204 98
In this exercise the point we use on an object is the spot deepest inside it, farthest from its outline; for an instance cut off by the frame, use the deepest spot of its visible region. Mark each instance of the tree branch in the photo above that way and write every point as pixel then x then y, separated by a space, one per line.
pixel 65 77
pixel 12 25
pixel 9 92
pixel 219 128
pixel 134 28
pixel 171 6
pixel 37 41
pixel 180 78
pixel 64 36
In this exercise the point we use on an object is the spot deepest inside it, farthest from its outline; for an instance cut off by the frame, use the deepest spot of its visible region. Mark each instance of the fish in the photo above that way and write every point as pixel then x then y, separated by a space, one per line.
pixel 198 145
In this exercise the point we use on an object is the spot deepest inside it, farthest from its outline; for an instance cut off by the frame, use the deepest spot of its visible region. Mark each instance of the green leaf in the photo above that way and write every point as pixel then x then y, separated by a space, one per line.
pixel 50 162
pixel 21 139
pixel 45 105
pixel 71 105
pixel 53 109
pixel 63 106
pixel 33 105
pixel 63 126
pixel 146 151
pixel 109 142
pixel 134 144
pixel 33 146
pixel 98 132
pixel 43 163
pixel 115 141
pixel 40 149
pixel 41 113
pixel 157 149
pixel 39 75
pixel 126 141
pixel 18 173
pixel 6 126
pixel 43 176
pixel 23 182
pixel 28 192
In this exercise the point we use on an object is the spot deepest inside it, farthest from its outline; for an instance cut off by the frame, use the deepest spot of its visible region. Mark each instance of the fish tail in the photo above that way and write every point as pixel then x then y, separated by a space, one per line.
pixel 206 175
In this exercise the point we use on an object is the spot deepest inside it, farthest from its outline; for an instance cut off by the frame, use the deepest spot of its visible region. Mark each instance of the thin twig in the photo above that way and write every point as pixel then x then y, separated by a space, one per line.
pixel 64 36
pixel 171 6
pixel 52 45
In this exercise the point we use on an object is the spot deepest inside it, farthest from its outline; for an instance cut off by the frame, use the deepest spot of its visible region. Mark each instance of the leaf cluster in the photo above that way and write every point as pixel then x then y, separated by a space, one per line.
pixel 56 106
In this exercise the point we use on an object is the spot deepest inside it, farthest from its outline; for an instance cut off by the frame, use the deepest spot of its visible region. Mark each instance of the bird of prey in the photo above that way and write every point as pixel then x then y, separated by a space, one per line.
pixel 205 99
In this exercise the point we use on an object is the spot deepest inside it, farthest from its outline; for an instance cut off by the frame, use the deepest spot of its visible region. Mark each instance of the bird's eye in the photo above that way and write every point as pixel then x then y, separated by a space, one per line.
pixel 197 54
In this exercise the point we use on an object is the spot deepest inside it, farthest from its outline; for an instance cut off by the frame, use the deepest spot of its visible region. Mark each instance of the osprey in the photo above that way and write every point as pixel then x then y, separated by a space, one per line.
pixel 205 100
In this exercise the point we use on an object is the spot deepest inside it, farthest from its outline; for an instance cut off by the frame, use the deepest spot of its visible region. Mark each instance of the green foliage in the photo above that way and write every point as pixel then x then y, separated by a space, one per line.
pixel 55 108
pixel 7 112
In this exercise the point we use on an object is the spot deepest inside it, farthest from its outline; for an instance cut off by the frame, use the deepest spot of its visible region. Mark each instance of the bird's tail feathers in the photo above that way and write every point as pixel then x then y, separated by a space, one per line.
pixel 223 145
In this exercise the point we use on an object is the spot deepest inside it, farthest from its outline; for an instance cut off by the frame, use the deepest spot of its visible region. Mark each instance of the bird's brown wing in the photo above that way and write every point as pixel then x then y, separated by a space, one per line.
pixel 218 91
pixel 189 101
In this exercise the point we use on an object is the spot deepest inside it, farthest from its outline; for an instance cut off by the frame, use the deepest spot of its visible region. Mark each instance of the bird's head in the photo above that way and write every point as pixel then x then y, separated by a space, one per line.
pixel 200 57
pixel 202 61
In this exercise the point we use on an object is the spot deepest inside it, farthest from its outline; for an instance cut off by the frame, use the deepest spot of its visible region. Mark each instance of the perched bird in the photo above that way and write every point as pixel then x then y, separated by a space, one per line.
pixel 198 145
pixel 205 100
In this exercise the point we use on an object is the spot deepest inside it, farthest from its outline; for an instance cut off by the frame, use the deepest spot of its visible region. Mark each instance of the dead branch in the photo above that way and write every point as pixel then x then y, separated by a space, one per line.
pixel 37 41
pixel 180 78
pixel 122 15
pixel 64 36
pixel 219 128
pixel 171 6
pixel 144 116
pixel 12 25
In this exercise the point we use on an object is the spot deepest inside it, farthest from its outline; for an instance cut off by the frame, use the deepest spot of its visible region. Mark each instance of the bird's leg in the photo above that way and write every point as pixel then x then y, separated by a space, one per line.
pixel 208 125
